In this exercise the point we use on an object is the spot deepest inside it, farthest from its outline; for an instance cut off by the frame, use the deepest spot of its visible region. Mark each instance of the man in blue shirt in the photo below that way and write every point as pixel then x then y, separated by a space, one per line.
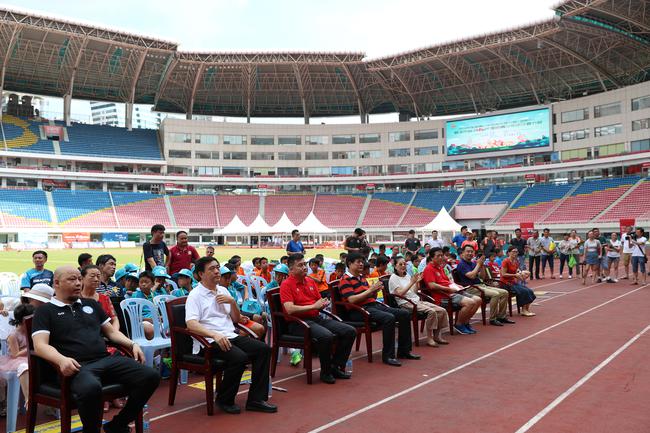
pixel 38 274
pixel 294 246
pixel 469 274
pixel 460 238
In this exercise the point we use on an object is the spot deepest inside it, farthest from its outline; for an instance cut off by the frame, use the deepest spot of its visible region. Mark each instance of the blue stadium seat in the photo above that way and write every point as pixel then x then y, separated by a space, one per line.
pixel 25 203
pixel 23 135
pixel 504 194
pixel 435 200
pixel 397 197
pixel 73 204
pixel 111 141
pixel 542 193
pixel 474 196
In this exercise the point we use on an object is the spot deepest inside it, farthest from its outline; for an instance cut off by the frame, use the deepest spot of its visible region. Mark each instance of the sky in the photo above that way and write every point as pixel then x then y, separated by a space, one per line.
pixel 377 28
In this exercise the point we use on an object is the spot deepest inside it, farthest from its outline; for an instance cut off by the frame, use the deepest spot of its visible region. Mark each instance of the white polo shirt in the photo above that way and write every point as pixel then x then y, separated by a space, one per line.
pixel 203 307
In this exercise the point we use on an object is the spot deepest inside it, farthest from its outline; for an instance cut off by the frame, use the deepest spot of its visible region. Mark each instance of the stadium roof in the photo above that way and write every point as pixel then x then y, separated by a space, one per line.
pixel 591 46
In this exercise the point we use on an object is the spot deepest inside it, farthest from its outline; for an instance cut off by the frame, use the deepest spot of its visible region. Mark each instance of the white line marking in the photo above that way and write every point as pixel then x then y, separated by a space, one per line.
pixel 534 420
pixel 462 366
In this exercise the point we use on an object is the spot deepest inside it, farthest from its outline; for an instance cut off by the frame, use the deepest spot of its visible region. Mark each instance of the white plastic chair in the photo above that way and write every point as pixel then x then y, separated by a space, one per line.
pixel 133 309
pixel 257 283
pixel 160 301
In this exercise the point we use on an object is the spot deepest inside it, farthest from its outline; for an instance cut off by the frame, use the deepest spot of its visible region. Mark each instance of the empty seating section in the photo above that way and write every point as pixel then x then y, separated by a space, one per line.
pixel 194 211
pixel 535 202
pixel 296 206
pixel 338 210
pixel 110 141
pixel 635 205
pixel 504 194
pixel 435 200
pixel 474 196
pixel 590 199
pixel 245 206
pixel 84 208
pixel 136 210
pixel 416 217
pixel 22 135
pixel 384 213
pixel 24 208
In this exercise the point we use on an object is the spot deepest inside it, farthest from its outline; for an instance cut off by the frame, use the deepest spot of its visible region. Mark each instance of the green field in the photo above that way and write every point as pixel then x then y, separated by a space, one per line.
pixel 19 261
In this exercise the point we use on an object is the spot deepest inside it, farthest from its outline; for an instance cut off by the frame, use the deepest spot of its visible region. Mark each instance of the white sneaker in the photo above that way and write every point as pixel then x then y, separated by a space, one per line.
pixel 560 276
pixel 615 280
pixel 570 276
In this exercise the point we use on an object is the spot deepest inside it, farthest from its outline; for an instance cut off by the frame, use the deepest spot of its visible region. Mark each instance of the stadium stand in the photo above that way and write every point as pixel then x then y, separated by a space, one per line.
pixel 504 194
pixel 535 202
pixel 84 208
pixel 386 209
pixel 474 196
pixel 338 210
pixel 245 206
pixel 426 205
pixel 296 206
pixel 23 135
pixel 110 141
pixel 24 208
pixel 635 205
pixel 590 199
pixel 135 209
pixel 195 211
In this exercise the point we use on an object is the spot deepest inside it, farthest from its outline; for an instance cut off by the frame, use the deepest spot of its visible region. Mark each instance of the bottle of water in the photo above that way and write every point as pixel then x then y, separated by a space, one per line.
pixel 270 386
pixel 183 377
pixel 145 419
pixel 348 366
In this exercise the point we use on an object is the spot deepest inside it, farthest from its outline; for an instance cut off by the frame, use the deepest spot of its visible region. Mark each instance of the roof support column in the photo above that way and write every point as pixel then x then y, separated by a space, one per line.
pixel 362 111
pixel 195 84
pixel 5 61
pixel 67 98
pixel 128 115
pixel 67 102
pixel 134 82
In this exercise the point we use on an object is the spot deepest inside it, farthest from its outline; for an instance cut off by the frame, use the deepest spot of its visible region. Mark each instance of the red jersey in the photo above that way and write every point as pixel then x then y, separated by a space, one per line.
pixel 301 293
pixel 510 267
pixel 181 258
pixel 436 274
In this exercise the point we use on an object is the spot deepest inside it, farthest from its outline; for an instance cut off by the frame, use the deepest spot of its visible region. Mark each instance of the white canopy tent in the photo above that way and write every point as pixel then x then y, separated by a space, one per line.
pixel 312 224
pixel 443 222
pixel 284 225
pixel 259 226
pixel 234 227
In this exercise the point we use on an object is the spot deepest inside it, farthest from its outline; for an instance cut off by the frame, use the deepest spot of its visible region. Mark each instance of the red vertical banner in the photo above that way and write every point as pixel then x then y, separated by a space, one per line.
pixel 526 229
pixel 624 222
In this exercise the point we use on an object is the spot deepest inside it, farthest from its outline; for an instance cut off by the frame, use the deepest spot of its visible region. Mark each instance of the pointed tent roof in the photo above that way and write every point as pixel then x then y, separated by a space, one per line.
pixel 443 222
pixel 234 227
pixel 259 226
pixel 284 225
pixel 311 224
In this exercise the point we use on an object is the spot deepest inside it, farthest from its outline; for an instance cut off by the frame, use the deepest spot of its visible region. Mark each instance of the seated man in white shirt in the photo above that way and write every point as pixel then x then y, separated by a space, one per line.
pixel 210 311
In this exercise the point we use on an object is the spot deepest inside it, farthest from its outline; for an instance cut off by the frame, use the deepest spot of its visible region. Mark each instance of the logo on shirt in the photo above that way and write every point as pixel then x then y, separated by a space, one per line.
pixel 87 309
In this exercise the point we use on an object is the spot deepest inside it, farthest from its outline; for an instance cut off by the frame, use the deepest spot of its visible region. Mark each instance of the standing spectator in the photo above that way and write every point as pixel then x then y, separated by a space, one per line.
pixel 434 242
pixel 295 246
pixel 519 243
pixel 639 259
pixel 613 247
pixel 106 264
pixel 84 260
pixel 489 243
pixel 564 248
pixel 182 255
pixel 628 249
pixel 591 257
pixel 602 259
pixel 469 241
pixel 155 251
pixel 534 245
pixel 209 251
pixel 548 252
pixel 460 238
pixel 210 311
pixel 412 243
pixel 69 332
pixel 38 274
pixel 352 243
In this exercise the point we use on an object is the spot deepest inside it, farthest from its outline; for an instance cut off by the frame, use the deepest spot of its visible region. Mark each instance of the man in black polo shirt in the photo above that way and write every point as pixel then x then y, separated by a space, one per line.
pixel 412 243
pixel 68 332
pixel 519 243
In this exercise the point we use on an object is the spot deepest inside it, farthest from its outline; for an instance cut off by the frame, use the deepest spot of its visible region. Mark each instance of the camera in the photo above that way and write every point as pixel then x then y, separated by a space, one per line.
pixel 632 236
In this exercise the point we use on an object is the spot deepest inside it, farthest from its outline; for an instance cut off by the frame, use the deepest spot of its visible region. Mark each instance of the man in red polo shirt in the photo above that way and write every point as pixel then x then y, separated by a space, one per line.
pixel 181 255
pixel 301 298
pixel 438 282
pixel 354 288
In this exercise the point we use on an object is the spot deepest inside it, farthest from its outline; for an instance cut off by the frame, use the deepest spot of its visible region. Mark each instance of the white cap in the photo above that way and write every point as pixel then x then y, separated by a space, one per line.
pixel 40 292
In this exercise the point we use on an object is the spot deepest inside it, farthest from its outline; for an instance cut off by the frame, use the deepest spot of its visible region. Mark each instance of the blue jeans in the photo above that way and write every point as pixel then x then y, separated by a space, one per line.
pixel 522 262
pixel 638 262
pixel 547 258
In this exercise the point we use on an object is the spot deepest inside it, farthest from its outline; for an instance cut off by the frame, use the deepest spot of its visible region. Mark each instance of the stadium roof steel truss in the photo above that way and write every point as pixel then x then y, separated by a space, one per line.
pixel 591 46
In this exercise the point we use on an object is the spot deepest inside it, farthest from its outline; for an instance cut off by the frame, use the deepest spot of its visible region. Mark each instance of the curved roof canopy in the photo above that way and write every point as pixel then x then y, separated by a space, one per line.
pixel 591 46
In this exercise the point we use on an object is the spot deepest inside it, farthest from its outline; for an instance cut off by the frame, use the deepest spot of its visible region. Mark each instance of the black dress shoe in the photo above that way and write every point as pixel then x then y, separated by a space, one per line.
pixel 393 362
pixel 495 322
pixel 232 409
pixel 261 406
pixel 409 356
pixel 327 378
pixel 340 374
pixel 506 320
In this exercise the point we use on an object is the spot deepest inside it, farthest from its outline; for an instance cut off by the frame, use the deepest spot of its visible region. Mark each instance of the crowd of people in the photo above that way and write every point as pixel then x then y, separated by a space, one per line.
pixel 73 313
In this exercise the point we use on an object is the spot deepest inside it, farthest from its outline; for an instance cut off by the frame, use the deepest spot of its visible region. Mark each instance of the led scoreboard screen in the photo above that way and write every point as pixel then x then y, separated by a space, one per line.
pixel 510 131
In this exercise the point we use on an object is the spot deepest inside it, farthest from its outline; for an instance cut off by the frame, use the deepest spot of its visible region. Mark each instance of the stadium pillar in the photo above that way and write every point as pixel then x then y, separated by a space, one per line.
pixel 128 116
pixel 67 102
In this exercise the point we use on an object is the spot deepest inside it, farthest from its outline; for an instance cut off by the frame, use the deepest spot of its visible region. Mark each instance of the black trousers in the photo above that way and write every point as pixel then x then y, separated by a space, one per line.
pixel 86 387
pixel 386 317
pixel 550 259
pixel 244 349
pixel 564 258
pixel 325 332
pixel 533 260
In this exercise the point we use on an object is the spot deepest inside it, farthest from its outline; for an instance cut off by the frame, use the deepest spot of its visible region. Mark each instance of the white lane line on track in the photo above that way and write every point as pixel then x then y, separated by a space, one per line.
pixel 541 414
pixel 465 365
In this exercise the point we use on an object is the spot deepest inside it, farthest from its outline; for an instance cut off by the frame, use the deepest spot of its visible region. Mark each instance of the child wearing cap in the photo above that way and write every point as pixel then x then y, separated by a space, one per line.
pixel 147 290
pixel 184 281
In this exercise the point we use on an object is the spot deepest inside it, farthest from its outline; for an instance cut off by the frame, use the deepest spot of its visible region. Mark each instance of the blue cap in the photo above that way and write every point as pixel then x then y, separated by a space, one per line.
pixel 160 272
pixel 120 273
pixel 225 270
pixel 132 275
pixel 281 268
pixel 186 273
pixel 131 267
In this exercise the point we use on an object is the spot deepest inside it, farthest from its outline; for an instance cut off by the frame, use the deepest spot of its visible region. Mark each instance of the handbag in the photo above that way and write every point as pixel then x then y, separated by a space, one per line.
pixel 645 258
pixel 572 261
pixel 251 307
